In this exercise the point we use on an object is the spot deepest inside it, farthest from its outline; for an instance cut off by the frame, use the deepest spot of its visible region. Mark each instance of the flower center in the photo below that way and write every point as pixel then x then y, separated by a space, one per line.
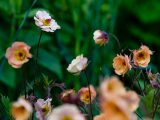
pixel 45 109
pixel 20 54
pixel 46 22
pixel 67 118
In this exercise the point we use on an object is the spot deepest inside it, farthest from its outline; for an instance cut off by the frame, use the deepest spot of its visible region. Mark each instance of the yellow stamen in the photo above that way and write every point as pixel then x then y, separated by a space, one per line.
pixel 20 54
pixel 67 118
pixel 46 22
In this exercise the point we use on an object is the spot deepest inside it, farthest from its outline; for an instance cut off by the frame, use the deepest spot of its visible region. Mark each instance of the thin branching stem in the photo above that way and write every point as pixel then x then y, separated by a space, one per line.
pixel 157 103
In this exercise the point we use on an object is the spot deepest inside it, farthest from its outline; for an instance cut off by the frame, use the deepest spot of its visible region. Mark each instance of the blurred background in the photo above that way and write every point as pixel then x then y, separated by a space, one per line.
pixel 133 22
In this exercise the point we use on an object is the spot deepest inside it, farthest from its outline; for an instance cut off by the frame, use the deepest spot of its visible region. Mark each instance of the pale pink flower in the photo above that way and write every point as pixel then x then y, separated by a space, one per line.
pixel 66 112
pixel 142 56
pixel 45 22
pixel 21 110
pixel 18 54
pixel 84 94
pixel 121 64
pixel 77 65
pixel 100 37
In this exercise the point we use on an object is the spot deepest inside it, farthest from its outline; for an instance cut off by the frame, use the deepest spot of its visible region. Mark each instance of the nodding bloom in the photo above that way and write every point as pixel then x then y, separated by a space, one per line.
pixel 21 110
pixel 142 56
pixel 66 112
pixel 84 94
pixel 45 22
pixel 43 108
pixel 77 65
pixel 69 96
pixel 18 54
pixel 121 64
pixel 100 37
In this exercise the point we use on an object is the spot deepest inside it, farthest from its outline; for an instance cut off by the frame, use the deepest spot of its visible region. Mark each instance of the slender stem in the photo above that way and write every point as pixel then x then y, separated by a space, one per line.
pixel 36 62
pixel 90 104
pixel 117 40
pixel 158 100
pixel 139 116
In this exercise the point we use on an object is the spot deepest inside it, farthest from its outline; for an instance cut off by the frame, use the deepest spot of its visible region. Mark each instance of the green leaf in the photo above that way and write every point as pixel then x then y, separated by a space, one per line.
pixel 50 61
pixel 7 75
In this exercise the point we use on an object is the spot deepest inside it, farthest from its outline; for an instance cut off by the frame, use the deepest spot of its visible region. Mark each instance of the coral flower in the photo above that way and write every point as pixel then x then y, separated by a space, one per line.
pixel 66 112
pixel 121 64
pixel 84 94
pixel 100 37
pixel 142 56
pixel 18 54
pixel 45 22
pixel 43 108
pixel 77 65
pixel 21 110
pixel 112 86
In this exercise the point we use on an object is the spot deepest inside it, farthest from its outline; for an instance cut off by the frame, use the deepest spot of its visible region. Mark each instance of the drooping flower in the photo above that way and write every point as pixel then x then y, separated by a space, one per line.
pixel 69 96
pixel 112 86
pixel 77 65
pixel 100 37
pixel 121 64
pixel 66 112
pixel 18 54
pixel 84 94
pixel 43 108
pixel 45 22
pixel 142 56
pixel 21 110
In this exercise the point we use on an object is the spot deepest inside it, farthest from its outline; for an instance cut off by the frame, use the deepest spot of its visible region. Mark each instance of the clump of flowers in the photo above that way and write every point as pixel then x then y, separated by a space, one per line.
pixel 43 108
pixel 142 56
pixel 84 94
pixel 121 64
pixel 18 54
pixel 45 22
pixel 100 37
pixel 66 112
pixel 77 65
pixel 21 110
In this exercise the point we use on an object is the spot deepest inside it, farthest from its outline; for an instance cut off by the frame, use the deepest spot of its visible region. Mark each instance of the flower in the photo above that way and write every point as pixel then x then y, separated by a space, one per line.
pixel 43 108
pixel 141 57
pixel 77 65
pixel 84 94
pixel 102 116
pixel 18 54
pixel 112 86
pixel 21 110
pixel 66 112
pixel 45 22
pixel 69 96
pixel 100 37
pixel 121 64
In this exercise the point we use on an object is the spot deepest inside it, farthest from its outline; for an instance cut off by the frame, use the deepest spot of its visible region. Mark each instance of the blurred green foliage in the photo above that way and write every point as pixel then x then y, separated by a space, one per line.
pixel 134 22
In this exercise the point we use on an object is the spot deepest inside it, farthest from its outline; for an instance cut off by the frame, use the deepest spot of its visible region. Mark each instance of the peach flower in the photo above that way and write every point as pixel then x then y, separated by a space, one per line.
pixel 121 64
pixel 142 56
pixel 18 54
pixel 102 116
pixel 66 112
pixel 21 110
pixel 77 65
pixel 100 37
pixel 84 94
pixel 45 22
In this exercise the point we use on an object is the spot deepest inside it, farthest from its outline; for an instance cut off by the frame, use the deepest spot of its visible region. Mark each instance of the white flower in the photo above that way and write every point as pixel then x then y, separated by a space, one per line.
pixel 21 110
pixel 43 108
pixel 66 112
pixel 100 37
pixel 77 65
pixel 45 22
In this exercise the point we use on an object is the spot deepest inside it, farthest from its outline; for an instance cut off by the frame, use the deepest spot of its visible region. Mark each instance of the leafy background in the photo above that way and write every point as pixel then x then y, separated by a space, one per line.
pixel 133 22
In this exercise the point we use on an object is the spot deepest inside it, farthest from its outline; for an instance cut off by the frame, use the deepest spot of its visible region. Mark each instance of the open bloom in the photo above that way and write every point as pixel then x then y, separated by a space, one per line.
pixel 77 65
pixel 121 64
pixel 21 110
pixel 66 112
pixel 45 22
pixel 43 108
pixel 84 94
pixel 142 56
pixel 18 54
pixel 100 37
